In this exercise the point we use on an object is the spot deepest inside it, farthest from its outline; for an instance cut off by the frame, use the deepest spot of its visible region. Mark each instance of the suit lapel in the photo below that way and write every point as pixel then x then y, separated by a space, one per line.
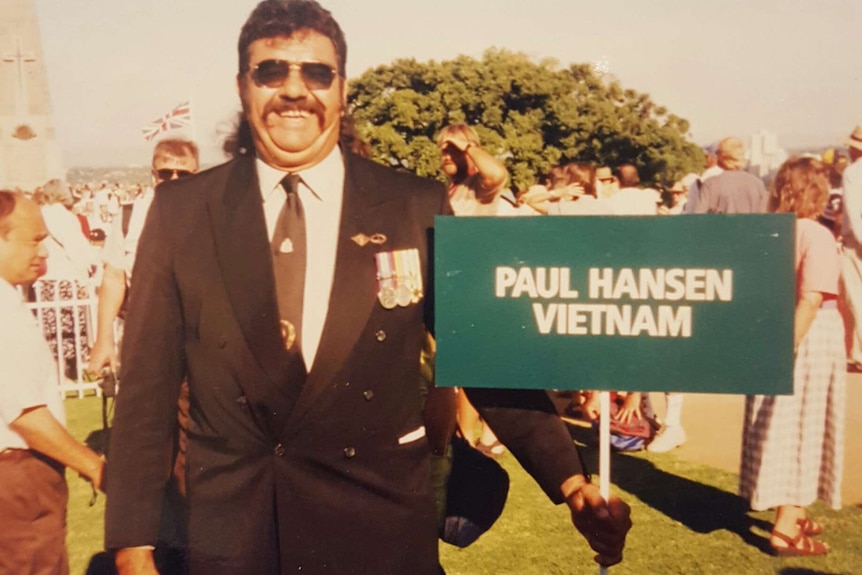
pixel 242 243
pixel 354 287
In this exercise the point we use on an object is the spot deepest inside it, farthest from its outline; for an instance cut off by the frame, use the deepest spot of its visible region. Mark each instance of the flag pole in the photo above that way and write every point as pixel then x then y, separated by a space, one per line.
pixel 193 115
pixel 604 451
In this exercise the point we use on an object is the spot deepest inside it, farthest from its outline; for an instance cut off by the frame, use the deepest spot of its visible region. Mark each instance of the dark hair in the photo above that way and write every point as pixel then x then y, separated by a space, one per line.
pixel 584 175
pixel 800 187
pixel 240 141
pixel 283 18
pixel 8 199
pixel 628 176
pixel 176 147
pixel 557 178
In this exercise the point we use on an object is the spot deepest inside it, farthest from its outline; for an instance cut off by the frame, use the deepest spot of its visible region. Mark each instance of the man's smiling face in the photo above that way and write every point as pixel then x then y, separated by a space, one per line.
pixel 295 122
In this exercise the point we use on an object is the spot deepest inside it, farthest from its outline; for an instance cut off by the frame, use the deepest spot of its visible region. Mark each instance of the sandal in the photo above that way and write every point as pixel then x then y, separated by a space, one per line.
pixel 799 546
pixel 810 527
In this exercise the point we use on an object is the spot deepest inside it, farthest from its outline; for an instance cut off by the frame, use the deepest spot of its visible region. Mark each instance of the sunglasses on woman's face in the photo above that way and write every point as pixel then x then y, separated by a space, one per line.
pixel 273 73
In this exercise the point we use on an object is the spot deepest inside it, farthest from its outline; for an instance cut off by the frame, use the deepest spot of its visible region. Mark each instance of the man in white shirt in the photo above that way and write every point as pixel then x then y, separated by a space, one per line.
pixel 172 159
pixel 34 443
pixel 632 199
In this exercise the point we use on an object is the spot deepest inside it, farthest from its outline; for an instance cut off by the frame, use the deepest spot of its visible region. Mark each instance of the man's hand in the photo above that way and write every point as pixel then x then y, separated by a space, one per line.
pixel 604 524
pixel 95 474
pixel 103 354
pixel 112 292
pixel 458 141
pixel 135 561
pixel 592 407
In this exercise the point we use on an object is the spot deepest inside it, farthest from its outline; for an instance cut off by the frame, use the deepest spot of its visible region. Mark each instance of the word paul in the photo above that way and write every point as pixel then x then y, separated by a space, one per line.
pixel 608 285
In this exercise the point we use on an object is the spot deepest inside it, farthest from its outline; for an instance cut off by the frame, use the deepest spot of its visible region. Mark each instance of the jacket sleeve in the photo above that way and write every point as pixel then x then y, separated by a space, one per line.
pixel 526 422
pixel 152 371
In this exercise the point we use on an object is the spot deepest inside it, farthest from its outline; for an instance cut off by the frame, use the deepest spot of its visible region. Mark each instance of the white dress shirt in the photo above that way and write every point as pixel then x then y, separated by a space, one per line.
pixel 120 249
pixel 321 192
pixel 69 252
pixel 28 371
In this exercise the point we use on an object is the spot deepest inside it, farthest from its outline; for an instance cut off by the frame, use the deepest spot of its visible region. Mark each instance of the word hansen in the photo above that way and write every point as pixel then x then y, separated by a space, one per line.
pixel 660 284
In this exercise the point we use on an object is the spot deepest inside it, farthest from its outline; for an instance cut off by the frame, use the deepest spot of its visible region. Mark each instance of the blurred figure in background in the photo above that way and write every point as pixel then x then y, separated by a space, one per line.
pixel 476 179
pixel 172 159
pixel 851 257
pixel 793 445
pixel 606 183
pixel 733 191
pixel 632 199
pixel 835 164
pixel 710 169
pixel 70 255
pixel 676 200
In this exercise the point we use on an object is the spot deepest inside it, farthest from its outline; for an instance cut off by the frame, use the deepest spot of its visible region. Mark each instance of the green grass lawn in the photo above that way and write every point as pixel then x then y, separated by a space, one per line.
pixel 687 520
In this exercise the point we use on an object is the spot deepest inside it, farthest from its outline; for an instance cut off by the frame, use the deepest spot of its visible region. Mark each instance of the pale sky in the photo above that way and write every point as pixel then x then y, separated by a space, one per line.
pixel 731 68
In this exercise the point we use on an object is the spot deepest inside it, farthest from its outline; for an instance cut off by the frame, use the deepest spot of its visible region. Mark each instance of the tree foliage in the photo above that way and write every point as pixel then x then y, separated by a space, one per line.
pixel 530 115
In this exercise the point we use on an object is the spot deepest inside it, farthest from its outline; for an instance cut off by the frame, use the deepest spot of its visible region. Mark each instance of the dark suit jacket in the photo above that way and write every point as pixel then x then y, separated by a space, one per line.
pixel 285 478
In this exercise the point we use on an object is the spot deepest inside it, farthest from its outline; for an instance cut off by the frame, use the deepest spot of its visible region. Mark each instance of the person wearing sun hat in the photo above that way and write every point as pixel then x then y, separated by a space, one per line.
pixel 851 257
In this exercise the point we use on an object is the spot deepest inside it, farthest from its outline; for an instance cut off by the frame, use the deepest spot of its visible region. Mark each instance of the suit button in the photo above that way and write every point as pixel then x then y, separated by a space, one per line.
pixel 368 395
pixel 349 452
pixel 222 342
pixel 242 400
pixel 279 450
pixel 380 335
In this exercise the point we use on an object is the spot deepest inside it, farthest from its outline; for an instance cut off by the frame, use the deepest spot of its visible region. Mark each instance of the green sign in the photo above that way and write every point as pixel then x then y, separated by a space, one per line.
pixel 685 303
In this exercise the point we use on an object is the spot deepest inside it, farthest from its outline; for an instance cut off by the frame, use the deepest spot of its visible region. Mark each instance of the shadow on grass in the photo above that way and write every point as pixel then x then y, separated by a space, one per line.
pixel 700 507
pixel 801 571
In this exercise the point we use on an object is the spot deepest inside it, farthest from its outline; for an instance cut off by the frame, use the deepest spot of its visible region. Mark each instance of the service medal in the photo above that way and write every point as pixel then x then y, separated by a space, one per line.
pixel 387 297
pixel 403 295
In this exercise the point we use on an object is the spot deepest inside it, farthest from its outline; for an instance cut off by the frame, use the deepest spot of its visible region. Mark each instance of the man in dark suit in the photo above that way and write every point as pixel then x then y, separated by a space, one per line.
pixel 290 287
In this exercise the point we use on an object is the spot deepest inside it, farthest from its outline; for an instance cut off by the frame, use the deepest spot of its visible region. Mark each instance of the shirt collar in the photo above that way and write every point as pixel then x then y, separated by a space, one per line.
pixel 7 290
pixel 323 179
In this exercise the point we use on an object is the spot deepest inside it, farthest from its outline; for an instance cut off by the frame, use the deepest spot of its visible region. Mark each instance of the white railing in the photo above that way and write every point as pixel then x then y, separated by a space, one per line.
pixel 66 311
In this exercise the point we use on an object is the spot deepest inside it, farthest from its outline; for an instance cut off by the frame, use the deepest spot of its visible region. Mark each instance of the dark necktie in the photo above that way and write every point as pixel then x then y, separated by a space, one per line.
pixel 289 258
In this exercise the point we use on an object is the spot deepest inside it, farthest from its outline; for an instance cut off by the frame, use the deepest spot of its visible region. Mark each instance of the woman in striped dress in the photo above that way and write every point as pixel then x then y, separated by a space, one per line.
pixel 793 446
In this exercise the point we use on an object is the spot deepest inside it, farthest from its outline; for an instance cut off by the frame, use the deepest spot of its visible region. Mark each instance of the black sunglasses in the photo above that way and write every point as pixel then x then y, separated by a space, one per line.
pixel 273 73
pixel 167 173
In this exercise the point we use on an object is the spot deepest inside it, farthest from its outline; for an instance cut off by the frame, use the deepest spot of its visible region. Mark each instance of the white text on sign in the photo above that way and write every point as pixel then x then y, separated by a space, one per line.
pixel 660 284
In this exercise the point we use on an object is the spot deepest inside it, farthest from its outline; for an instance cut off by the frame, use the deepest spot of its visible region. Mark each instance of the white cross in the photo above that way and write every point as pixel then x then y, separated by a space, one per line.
pixel 20 58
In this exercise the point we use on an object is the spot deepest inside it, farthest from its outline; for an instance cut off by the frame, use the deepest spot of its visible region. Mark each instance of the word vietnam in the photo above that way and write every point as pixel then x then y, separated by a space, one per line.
pixel 607 284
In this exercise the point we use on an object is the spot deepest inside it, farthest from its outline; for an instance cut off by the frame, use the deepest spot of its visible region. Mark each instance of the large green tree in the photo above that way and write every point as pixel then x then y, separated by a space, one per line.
pixel 532 115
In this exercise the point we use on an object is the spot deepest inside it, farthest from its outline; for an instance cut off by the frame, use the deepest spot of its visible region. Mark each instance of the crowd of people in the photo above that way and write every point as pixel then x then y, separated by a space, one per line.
pixel 277 317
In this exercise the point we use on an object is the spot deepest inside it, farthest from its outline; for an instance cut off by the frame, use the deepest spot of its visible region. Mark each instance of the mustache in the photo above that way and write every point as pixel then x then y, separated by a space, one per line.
pixel 280 105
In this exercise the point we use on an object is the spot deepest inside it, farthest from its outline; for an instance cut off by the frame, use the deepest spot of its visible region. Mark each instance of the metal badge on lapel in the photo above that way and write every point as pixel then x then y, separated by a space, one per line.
pixel 288 333
pixel 399 278
pixel 286 246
